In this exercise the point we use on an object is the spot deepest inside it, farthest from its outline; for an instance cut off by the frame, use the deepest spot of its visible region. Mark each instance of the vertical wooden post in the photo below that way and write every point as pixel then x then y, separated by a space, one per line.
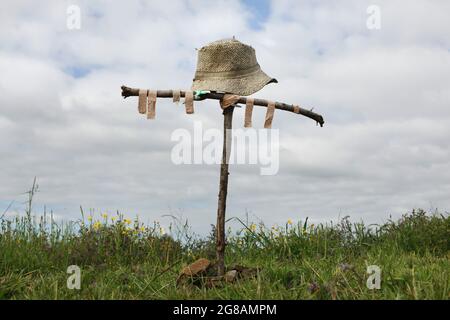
pixel 223 190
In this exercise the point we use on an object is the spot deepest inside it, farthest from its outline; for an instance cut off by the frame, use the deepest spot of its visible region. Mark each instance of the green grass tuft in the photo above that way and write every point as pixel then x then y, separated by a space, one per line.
pixel 124 259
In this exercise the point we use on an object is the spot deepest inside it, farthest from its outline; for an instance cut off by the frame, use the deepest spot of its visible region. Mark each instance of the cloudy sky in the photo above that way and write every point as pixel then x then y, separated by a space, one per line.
pixel 384 93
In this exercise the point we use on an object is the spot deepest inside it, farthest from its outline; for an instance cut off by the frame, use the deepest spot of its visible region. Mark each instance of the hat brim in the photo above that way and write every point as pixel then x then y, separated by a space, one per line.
pixel 243 85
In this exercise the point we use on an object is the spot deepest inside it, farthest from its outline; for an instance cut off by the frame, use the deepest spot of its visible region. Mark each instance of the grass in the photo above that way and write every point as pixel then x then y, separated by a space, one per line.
pixel 123 259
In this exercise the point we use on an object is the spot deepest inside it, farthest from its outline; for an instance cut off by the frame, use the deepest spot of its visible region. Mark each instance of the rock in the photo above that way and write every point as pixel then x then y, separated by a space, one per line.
pixel 194 271
pixel 244 272
pixel 203 273
pixel 231 276
pixel 196 268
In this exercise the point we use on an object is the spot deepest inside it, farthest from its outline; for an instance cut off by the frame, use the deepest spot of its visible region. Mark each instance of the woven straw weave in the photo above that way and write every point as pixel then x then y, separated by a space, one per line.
pixel 229 66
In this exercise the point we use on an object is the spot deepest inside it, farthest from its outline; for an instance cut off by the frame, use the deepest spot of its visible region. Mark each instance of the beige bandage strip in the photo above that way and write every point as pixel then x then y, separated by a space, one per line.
pixel 189 102
pixel 176 96
pixel 151 112
pixel 269 115
pixel 142 104
pixel 296 109
pixel 248 112
pixel 228 100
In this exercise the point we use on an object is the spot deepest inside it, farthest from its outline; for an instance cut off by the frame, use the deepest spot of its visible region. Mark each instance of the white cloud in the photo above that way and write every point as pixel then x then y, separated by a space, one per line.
pixel 384 95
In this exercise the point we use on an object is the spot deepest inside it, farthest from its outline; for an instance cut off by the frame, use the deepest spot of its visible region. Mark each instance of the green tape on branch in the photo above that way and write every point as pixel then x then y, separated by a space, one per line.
pixel 198 94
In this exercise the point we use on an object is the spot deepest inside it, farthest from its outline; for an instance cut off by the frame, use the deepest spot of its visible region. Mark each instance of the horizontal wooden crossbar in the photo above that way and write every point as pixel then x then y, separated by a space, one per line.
pixel 132 92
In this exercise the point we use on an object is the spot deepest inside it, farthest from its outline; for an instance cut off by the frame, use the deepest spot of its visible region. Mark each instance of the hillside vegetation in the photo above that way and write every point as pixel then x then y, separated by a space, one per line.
pixel 124 259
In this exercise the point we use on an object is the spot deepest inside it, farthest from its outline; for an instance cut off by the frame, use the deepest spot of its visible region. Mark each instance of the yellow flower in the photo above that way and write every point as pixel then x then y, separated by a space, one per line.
pixel 253 227
pixel 105 215
pixel 97 225
pixel 89 218
pixel 113 219
pixel 162 231
pixel 142 229
pixel 289 222
pixel 127 230
pixel 127 221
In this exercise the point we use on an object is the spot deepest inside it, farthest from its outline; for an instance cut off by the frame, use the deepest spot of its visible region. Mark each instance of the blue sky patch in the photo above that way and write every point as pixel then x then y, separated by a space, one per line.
pixel 77 71
pixel 260 10
pixel 80 71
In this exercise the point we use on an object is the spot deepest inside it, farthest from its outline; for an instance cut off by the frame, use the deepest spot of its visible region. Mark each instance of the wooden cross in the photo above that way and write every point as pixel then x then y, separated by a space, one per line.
pixel 224 173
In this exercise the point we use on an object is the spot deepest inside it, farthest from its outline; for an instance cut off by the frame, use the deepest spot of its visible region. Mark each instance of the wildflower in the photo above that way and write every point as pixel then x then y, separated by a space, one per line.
pixel 105 215
pixel 253 227
pixel 89 218
pixel 127 221
pixel 289 222
pixel 275 235
pixel 127 230
pixel 142 228
pixel 113 219
pixel 162 231
pixel 97 225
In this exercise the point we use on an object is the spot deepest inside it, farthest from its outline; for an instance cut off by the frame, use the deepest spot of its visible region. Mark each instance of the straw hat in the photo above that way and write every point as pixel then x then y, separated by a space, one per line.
pixel 229 66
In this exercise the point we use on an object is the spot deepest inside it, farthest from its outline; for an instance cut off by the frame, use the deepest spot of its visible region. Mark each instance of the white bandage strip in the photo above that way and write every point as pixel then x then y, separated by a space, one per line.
pixel 142 103
pixel 248 112
pixel 152 95
pixel 269 115
pixel 189 102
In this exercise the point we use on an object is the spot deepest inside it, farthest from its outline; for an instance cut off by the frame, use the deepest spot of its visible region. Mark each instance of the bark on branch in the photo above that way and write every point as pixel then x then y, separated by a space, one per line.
pixel 132 92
